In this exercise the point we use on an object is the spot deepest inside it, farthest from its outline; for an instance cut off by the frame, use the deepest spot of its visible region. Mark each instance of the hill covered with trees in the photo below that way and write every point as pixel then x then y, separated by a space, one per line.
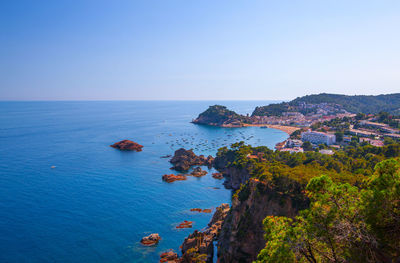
pixel 219 115
pixel 354 104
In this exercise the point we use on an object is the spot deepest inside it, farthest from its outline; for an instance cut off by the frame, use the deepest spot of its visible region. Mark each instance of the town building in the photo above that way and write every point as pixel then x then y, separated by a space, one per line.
pixel 373 142
pixel 326 151
pixel 293 143
pixel 318 137
pixel 292 150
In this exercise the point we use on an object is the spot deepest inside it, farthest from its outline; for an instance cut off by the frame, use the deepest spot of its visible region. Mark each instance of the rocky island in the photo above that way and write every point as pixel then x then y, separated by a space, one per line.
pixel 218 115
pixel 127 145
pixel 184 159
pixel 150 240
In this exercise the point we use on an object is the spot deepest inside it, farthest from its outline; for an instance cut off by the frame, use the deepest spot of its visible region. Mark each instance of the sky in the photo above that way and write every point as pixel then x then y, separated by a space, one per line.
pixel 197 50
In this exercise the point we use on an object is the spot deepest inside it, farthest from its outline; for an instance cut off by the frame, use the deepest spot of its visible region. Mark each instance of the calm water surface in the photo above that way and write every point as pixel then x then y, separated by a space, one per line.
pixel 99 202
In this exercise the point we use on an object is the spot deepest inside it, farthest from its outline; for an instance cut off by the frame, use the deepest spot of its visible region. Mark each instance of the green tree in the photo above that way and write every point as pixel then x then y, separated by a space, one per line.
pixel 339 136
pixel 307 146
pixel 342 224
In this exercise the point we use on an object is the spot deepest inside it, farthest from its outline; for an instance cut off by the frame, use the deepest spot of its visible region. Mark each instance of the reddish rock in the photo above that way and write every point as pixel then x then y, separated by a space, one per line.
pixel 184 159
pixel 217 175
pixel 127 145
pixel 199 244
pixel 198 172
pixel 185 224
pixel 169 178
pixel 201 210
pixel 169 256
pixel 150 240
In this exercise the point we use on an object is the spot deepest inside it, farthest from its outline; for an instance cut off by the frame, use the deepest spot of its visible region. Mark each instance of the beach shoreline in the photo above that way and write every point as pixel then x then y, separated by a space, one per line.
pixel 288 129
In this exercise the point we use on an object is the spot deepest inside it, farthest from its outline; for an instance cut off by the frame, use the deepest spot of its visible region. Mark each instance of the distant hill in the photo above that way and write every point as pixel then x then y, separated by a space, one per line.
pixel 354 104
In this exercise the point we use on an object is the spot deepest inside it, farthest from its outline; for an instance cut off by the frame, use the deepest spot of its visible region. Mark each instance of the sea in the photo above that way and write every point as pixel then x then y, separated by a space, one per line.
pixel 66 196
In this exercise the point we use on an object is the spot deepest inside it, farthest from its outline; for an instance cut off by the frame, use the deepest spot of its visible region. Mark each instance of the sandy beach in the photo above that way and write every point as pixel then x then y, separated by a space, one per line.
pixel 288 129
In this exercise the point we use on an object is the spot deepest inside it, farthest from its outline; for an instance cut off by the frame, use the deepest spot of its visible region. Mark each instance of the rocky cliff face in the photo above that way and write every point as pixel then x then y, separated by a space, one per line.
pixel 234 177
pixel 241 237
pixel 198 246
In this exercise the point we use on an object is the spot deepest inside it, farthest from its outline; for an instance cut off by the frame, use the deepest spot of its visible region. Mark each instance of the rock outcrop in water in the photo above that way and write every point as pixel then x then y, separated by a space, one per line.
pixel 185 224
pixel 218 175
pixel 198 172
pixel 127 145
pixel 169 178
pixel 151 239
pixel 198 246
pixel 169 256
pixel 201 210
pixel 184 159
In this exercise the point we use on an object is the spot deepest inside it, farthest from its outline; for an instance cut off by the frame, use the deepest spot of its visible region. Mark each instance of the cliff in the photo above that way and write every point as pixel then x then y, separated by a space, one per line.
pixel 199 246
pixel 242 234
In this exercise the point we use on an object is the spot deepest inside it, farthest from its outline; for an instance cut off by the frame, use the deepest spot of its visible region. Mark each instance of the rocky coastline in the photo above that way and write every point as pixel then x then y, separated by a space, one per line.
pixel 237 230
pixel 199 246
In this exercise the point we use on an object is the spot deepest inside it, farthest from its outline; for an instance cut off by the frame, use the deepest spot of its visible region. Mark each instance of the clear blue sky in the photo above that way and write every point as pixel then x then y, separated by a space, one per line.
pixel 167 49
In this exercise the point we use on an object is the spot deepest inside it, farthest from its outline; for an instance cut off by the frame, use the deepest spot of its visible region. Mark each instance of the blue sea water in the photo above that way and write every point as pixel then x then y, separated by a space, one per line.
pixel 99 202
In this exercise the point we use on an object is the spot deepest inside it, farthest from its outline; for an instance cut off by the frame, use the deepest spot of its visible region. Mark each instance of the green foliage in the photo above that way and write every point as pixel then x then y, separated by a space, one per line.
pixel 339 136
pixel 364 104
pixel 278 248
pixel 343 223
pixel 275 109
pixel 296 134
pixel 356 104
pixel 307 146
pixel 244 192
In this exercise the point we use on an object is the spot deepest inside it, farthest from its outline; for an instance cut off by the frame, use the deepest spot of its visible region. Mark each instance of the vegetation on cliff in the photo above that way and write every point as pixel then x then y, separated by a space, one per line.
pixel 280 184
pixel 344 223
pixel 352 164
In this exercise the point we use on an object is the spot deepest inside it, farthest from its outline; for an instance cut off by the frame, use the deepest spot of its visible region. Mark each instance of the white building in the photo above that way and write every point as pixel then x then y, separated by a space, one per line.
pixel 318 137
pixel 293 143
pixel 326 151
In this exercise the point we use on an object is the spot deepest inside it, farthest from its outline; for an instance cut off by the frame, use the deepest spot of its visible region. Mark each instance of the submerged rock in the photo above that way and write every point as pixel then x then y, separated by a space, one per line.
pixel 169 178
pixel 127 145
pixel 150 240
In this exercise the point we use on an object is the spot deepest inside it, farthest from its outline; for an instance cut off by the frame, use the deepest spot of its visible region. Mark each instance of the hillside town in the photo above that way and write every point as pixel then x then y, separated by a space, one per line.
pixel 325 132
